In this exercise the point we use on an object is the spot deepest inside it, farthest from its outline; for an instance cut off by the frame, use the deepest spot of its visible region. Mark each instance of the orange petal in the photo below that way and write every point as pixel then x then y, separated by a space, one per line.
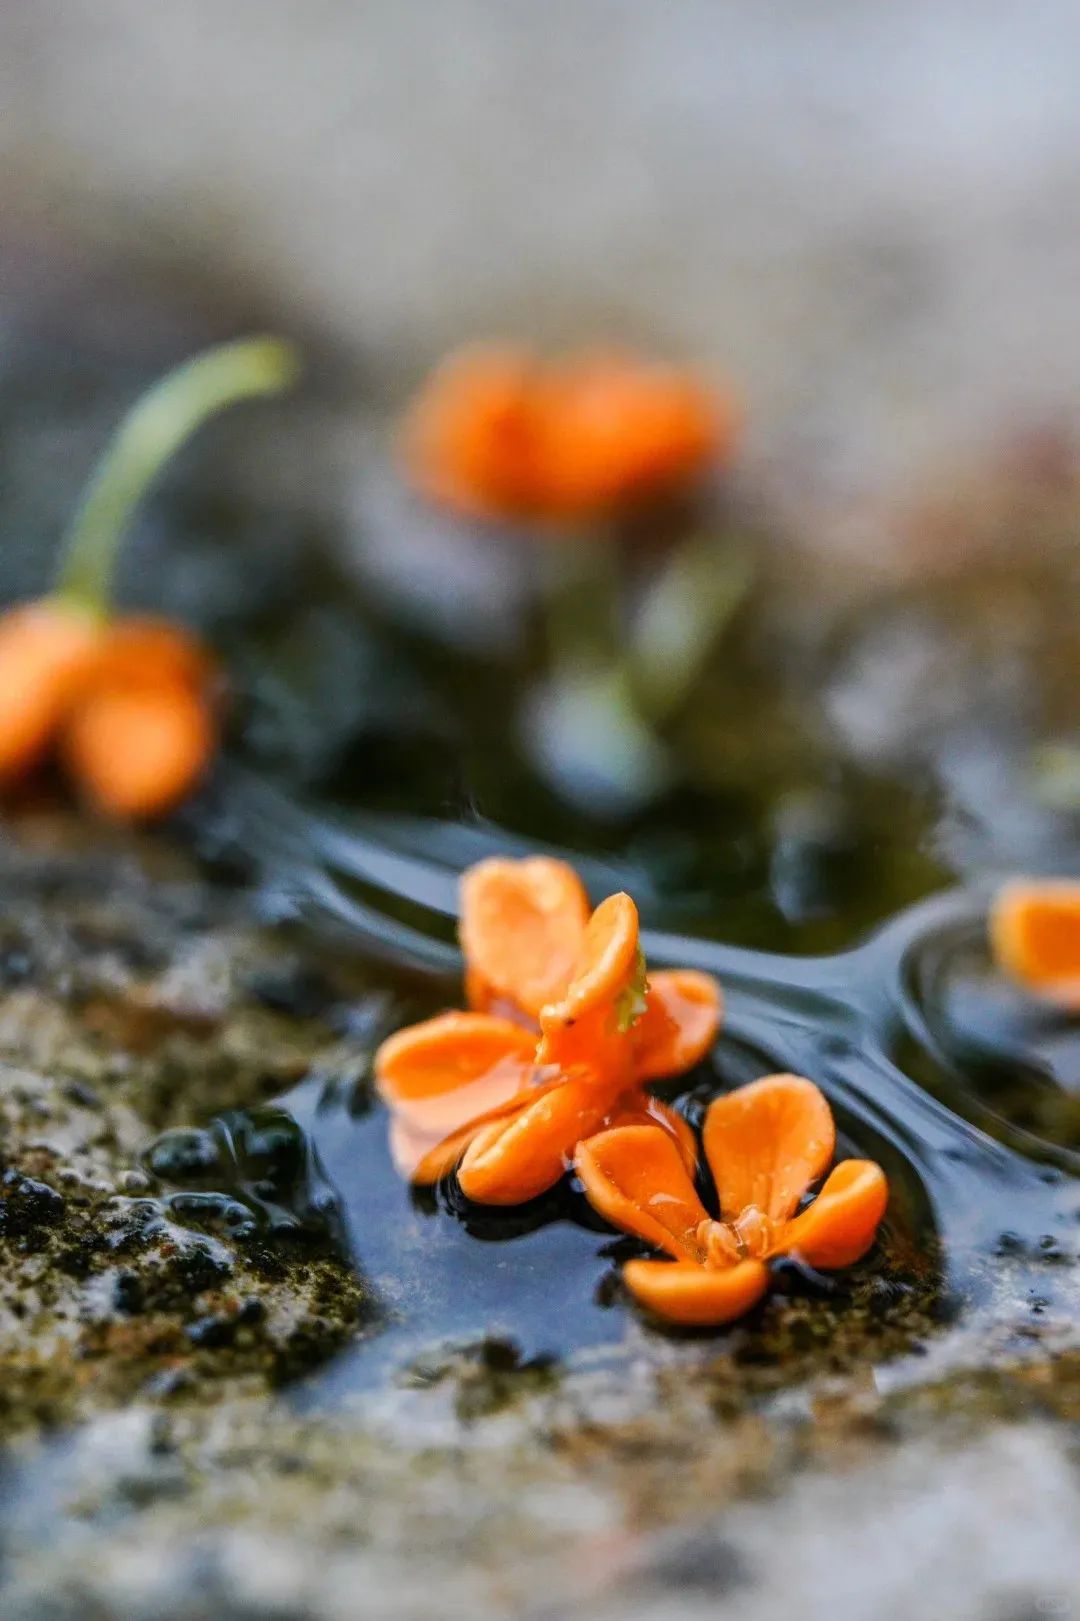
pixel 421 1149
pixel 619 430
pixel 1035 935
pixel 839 1227
pixel 452 1068
pixel 591 1022
pixel 678 1026
pixel 145 651
pixel 137 754
pixel 45 651
pixel 472 437
pixel 696 1296
pixel 636 1108
pixel 522 927
pixel 766 1143
pixel 512 1160
pixel 635 1176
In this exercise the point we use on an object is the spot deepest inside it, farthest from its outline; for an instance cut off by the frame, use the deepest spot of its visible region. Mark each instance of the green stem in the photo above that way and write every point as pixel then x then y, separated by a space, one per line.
pixel 582 601
pixel 154 429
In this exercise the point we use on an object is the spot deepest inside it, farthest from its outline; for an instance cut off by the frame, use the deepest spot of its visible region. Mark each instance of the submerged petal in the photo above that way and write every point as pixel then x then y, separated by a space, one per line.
pixel 840 1226
pixel 636 1177
pixel 1035 935
pixel 766 1143
pixel 522 927
pixel 589 1024
pixel 696 1296
pixel 679 1024
pixel 517 1158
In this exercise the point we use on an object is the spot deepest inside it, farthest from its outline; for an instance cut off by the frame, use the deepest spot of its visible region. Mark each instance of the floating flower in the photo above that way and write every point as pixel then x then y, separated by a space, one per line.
pixel 130 704
pixel 498 433
pixel 765 1143
pixel 1035 936
pixel 564 1031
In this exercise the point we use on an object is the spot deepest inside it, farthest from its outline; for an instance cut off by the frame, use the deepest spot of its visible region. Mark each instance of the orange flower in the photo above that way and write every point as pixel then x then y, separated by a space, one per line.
pixel 765 1144
pixel 497 433
pixel 1035 936
pixel 127 705
pixel 564 1031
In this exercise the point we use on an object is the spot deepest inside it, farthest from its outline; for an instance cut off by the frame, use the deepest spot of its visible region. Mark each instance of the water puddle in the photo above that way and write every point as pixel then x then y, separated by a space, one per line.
pixel 930 1061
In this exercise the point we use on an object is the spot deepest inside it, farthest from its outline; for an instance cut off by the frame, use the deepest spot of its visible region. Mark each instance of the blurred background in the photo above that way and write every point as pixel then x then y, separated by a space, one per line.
pixel 859 219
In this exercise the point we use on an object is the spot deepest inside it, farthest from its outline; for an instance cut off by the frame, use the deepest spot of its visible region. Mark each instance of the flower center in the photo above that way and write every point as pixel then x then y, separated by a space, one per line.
pixel 725 1243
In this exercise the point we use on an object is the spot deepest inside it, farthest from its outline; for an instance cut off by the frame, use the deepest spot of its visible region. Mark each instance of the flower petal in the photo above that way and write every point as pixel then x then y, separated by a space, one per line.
pixel 839 1227
pixel 45 651
pixel 637 1108
pixel 522 927
pixel 679 1024
pixel 591 1022
pixel 451 1069
pixel 1035 935
pixel 766 1143
pixel 136 754
pixel 696 1296
pixel 423 1151
pixel 472 439
pixel 512 1160
pixel 636 1178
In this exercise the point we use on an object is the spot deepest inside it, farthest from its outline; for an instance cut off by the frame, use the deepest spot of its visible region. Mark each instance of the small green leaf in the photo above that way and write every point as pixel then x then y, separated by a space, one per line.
pixel 631 1002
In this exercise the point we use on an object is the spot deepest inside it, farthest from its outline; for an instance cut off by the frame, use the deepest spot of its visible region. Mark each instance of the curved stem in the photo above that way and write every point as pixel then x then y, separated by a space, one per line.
pixel 149 435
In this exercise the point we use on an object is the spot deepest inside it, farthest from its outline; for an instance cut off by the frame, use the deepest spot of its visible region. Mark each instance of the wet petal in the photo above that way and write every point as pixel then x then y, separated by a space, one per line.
pixel 450 1069
pixel 590 1023
pixel 1035 935
pixel 635 1176
pixel 423 1150
pixel 696 1296
pixel 766 1143
pixel 839 1227
pixel 636 1108
pixel 679 1024
pixel 512 1160
pixel 522 928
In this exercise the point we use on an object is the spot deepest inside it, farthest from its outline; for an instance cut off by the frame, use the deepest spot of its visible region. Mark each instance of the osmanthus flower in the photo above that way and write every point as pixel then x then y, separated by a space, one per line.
pixel 496 432
pixel 766 1144
pixel 565 1029
pixel 128 704
pixel 1035 937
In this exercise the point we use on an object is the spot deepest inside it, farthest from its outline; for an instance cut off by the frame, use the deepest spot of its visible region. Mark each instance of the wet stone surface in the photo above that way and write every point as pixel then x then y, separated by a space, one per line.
pixel 131 1006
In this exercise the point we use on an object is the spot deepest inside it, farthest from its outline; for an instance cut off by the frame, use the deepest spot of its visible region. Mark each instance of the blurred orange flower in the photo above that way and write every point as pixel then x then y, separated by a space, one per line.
pixel 129 705
pixel 498 433
pixel 1035 936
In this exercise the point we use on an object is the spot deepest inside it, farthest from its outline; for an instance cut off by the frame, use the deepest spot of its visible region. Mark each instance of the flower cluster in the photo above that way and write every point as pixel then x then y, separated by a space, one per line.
pixel 548 1070
pixel 496 432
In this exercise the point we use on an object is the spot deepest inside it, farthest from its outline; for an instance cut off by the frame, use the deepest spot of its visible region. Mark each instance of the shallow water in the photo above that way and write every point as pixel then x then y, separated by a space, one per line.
pixel 905 1033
